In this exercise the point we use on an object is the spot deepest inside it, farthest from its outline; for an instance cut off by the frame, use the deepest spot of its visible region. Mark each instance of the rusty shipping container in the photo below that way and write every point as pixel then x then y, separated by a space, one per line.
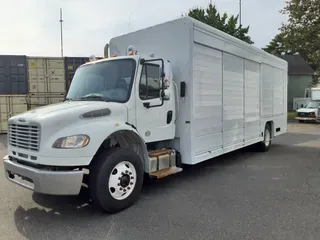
pixel 42 99
pixel 71 65
pixel 11 105
pixel 46 75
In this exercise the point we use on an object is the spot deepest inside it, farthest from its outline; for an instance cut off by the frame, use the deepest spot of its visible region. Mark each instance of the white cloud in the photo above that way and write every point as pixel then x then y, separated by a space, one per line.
pixel 31 27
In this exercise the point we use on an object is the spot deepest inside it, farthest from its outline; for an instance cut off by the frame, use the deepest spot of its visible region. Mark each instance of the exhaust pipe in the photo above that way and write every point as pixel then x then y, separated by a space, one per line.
pixel 106 48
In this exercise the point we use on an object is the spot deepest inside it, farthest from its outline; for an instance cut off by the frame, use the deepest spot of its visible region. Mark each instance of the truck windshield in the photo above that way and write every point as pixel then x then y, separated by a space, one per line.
pixel 312 105
pixel 104 81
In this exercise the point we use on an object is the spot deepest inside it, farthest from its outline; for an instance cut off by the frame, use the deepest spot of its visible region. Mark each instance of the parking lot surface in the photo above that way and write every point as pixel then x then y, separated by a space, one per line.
pixel 242 195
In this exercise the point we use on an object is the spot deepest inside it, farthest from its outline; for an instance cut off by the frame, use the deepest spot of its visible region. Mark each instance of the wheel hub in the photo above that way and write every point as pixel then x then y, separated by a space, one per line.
pixel 125 181
pixel 122 180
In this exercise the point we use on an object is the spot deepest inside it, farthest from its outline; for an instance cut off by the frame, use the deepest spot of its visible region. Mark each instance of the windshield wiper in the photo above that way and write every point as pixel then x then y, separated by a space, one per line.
pixel 93 97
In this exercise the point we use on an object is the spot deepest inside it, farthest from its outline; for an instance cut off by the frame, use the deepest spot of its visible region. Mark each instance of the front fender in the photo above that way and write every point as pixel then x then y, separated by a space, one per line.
pixel 97 131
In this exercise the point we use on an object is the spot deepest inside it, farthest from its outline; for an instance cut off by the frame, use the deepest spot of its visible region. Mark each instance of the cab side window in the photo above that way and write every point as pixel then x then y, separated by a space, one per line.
pixel 149 87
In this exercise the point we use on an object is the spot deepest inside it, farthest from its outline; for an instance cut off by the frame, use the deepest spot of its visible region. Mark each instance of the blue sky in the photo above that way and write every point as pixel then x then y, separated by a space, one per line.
pixel 31 27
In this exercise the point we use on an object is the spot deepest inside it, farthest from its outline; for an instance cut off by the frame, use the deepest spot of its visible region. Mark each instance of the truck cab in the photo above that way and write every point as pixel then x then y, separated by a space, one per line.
pixel 119 108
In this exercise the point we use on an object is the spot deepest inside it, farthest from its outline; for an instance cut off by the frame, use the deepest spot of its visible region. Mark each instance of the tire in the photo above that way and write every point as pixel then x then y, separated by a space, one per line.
pixel 105 184
pixel 264 145
pixel 301 121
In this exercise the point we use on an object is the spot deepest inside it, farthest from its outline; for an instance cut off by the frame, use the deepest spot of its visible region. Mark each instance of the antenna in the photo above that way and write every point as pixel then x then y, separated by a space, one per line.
pixel 240 13
pixel 129 22
pixel 61 36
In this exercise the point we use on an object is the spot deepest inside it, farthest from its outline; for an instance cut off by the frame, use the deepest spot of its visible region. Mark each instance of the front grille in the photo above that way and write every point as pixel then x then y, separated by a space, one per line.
pixel 305 114
pixel 24 136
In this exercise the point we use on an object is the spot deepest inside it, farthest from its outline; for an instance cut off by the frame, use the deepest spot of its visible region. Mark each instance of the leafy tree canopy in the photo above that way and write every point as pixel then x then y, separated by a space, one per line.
pixel 301 33
pixel 212 17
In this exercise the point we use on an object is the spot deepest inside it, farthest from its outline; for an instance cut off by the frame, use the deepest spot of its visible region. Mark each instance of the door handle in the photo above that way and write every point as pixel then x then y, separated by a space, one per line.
pixel 169 116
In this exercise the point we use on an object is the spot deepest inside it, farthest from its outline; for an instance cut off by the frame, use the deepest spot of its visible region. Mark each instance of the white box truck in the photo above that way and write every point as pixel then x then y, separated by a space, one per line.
pixel 173 94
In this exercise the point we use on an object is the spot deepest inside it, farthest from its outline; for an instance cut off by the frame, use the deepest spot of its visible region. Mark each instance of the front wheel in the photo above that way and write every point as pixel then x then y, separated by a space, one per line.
pixel 116 179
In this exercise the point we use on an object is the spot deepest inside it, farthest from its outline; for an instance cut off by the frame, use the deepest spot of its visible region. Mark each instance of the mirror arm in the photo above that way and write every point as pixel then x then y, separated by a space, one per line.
pixel 143 61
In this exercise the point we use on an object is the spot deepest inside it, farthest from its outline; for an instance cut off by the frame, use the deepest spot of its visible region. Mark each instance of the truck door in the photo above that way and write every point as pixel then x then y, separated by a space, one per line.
pixel 154 116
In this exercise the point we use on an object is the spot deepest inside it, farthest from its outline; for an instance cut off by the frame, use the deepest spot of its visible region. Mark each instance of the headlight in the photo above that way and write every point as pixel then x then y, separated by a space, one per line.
pixel 70 142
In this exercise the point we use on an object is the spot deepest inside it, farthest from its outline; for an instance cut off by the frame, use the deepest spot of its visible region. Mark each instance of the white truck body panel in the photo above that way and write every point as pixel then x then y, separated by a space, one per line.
pixel 233 88
pixel 315 94
pixel 300 103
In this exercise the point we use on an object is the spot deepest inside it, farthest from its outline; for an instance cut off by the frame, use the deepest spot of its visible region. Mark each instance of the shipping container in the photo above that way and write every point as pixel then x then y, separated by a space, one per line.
pixel 46 74
pixel 13 74
pixel 42 99
pixel 11 105
pixel 71 65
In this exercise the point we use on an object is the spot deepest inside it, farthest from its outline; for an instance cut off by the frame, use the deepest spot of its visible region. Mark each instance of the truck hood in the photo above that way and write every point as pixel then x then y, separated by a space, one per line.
pixel 307 110
pixel 62 114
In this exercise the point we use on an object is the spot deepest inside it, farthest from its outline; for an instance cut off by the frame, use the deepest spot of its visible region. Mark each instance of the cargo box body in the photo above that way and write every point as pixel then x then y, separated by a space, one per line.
pixel 233 88
pixel 315 94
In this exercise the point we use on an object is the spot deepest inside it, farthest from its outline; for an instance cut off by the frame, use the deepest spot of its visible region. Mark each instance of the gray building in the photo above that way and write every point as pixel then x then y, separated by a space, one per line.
pixel 299 79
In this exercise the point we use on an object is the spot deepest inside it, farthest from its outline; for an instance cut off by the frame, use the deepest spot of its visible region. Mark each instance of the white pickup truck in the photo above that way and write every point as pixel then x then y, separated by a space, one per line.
pixel 310 112
pixel 183 93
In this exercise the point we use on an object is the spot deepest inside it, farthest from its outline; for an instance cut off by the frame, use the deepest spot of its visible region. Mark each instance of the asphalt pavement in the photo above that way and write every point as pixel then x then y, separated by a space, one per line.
pixel 242 195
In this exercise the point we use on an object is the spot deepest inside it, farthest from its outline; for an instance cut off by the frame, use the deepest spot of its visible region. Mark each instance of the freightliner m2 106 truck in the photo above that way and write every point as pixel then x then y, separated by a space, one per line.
pixel 168 96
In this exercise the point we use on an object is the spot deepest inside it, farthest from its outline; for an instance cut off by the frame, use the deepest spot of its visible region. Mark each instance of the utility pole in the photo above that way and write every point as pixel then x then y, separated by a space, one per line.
pixel 61 36
pixel 240 13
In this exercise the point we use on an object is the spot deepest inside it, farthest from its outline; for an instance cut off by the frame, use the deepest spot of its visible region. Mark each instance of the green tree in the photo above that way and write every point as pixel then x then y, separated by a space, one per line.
pixel 301 33
pixel 212 17
pixel 277 46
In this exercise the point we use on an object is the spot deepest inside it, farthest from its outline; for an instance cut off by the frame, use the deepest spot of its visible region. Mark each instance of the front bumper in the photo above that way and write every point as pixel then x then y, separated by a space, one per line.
pixel 306 118
pixel 43 181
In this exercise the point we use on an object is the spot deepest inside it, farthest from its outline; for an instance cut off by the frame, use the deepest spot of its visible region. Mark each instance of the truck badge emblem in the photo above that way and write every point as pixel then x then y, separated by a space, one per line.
pixel 21 119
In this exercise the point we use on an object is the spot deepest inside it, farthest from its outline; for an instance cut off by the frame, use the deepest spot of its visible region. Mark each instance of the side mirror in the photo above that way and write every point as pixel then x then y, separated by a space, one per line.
pixel 165 95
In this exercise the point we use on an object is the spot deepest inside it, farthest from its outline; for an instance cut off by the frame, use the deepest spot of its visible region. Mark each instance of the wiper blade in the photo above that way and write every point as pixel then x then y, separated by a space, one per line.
pixel 93 97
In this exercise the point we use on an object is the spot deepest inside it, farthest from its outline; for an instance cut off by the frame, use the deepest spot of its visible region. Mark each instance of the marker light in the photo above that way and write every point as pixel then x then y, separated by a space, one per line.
pixel 92 58
pixel 131 50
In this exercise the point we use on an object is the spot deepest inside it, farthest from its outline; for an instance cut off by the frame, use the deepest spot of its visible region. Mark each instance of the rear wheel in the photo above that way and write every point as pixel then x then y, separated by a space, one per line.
pixel 264 145
pixel 116 179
